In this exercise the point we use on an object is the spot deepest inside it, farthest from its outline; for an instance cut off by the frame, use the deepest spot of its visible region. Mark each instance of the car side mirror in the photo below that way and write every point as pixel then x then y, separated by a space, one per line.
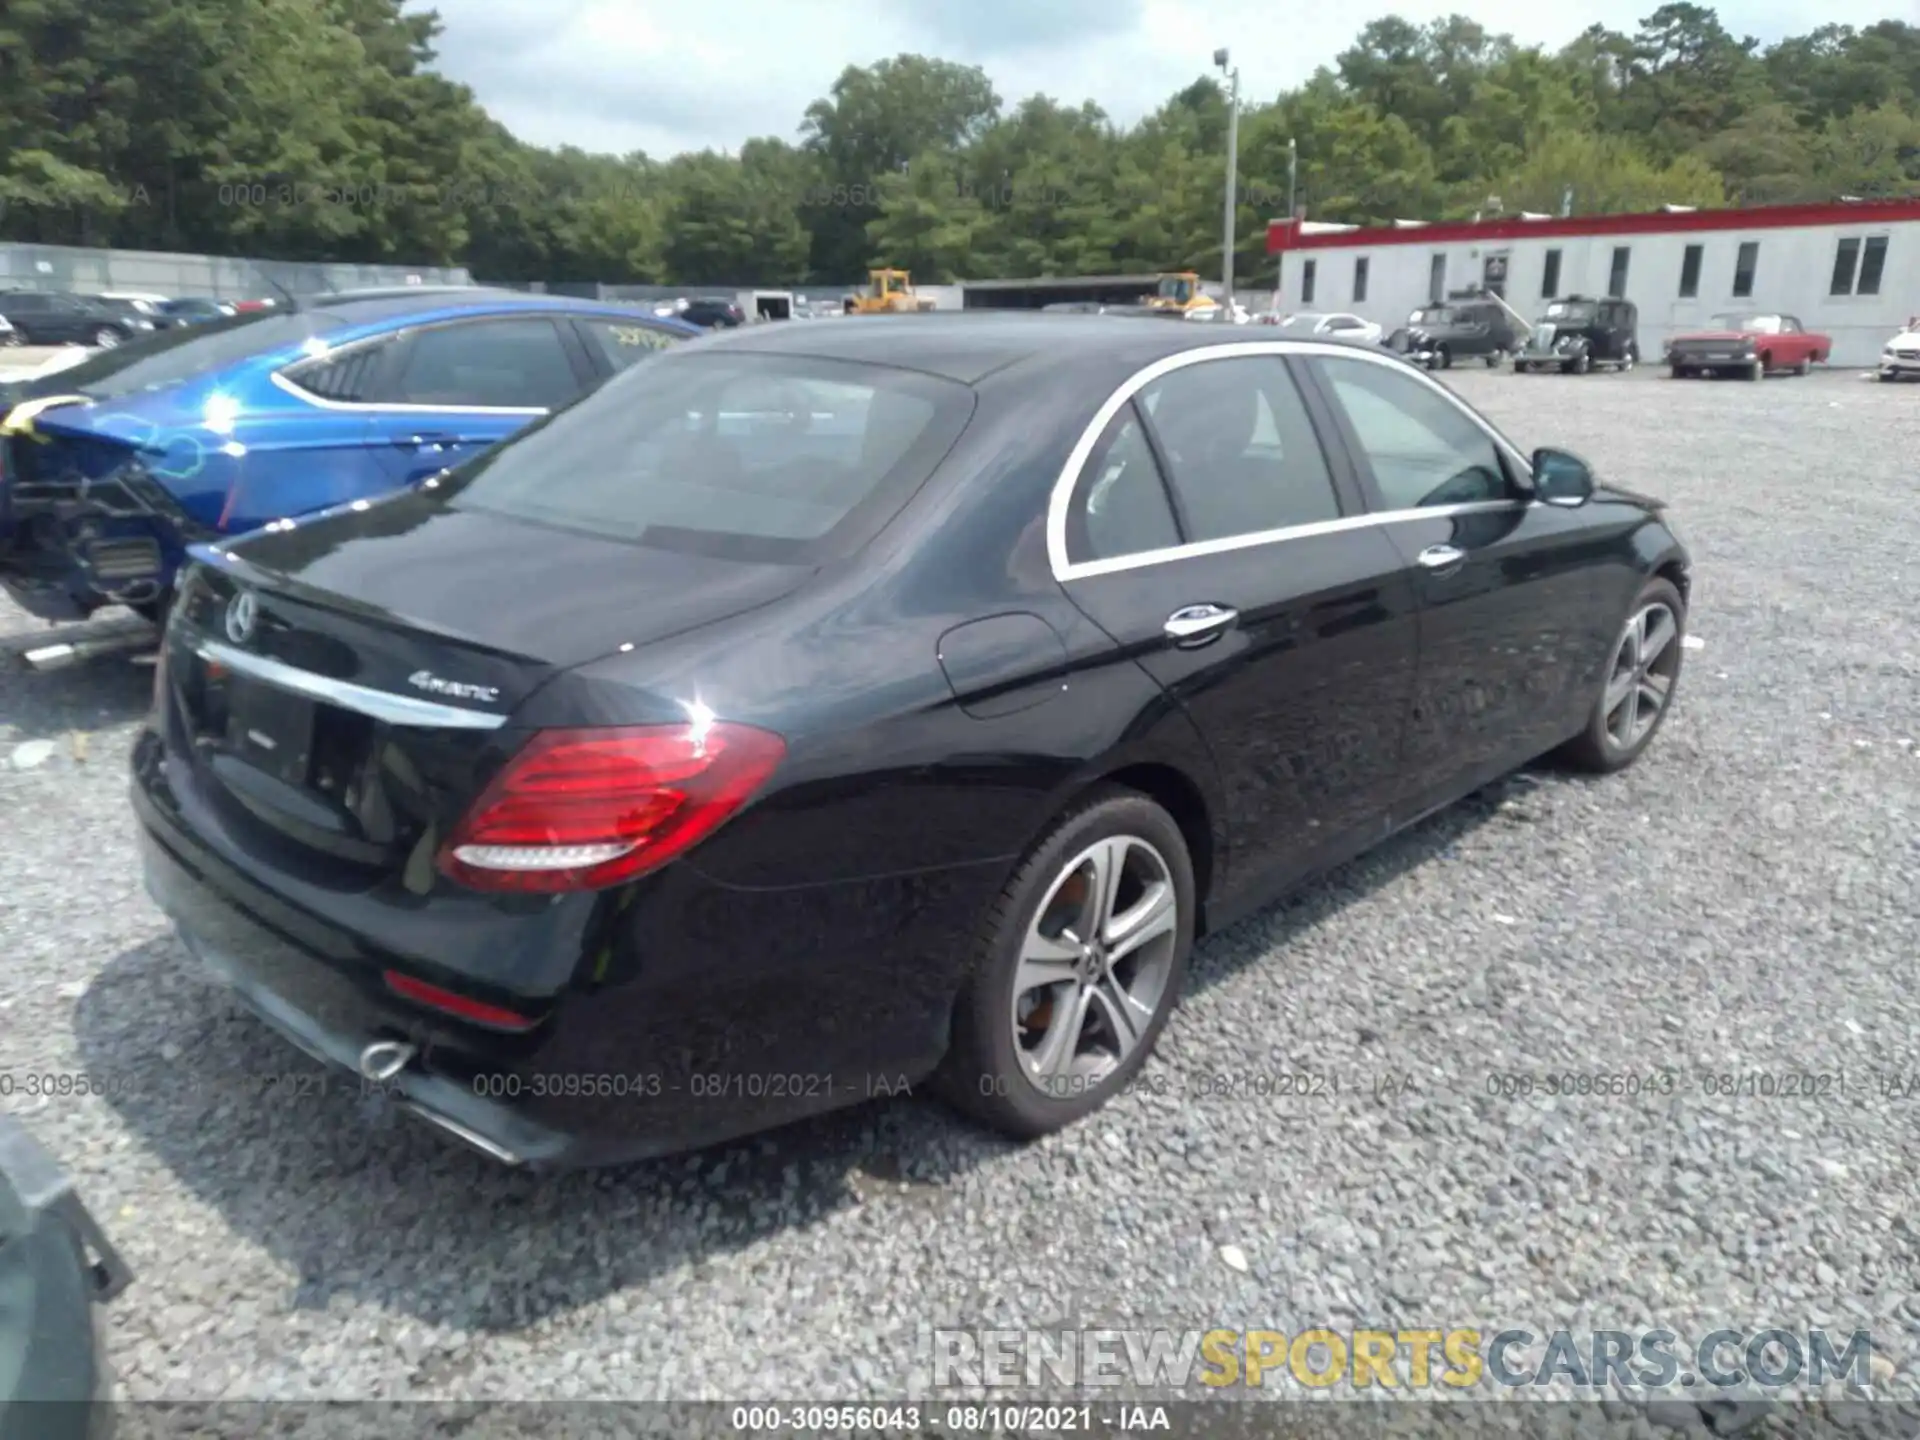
pixel 1561 479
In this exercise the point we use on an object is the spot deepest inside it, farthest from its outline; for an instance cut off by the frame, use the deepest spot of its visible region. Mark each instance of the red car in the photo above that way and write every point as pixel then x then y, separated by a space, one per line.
pixel 1747 345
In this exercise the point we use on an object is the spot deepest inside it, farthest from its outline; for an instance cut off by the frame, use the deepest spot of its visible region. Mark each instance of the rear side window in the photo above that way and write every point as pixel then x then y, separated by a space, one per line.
pixel 346 377
pixel 1240 450
pixel 622 344
pixel 781 458
pixel 1120 504
pixel 516 364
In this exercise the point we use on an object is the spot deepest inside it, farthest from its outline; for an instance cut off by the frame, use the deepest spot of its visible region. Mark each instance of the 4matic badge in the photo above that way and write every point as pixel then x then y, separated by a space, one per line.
pixel 433 684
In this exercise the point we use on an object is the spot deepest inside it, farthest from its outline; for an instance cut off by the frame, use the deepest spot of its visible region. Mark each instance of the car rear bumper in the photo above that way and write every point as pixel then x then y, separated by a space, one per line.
pixel 714 1013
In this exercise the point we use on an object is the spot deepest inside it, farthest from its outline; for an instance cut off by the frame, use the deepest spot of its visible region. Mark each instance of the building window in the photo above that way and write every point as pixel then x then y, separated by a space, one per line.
pixel 1360 280
pixel 1873 262
pixel 1690 271
pixel 1617 285
pixel 1550 277
pixel 1307 267
pixel 1846 257
pixel 1744 265
pixel 1437 280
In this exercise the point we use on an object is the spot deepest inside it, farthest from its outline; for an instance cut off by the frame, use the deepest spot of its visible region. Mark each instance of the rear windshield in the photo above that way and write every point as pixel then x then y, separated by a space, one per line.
pixel 169 357
pixel 781 458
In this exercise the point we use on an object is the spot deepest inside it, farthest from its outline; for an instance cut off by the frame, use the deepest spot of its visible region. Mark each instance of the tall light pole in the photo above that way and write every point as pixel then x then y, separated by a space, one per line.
pixel 1293 176
pixel 1220 58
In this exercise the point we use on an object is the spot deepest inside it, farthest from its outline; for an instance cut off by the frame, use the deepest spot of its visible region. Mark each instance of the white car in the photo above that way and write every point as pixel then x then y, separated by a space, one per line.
pixel 1900 360
pixel 1338 323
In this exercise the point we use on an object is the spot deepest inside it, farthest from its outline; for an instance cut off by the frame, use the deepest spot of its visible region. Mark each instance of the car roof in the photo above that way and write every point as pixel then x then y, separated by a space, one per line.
pixel 969 346
pixel 376 307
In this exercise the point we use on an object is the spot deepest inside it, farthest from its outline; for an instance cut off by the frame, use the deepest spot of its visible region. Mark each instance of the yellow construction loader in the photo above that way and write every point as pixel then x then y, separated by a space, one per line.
pixel 1180 290
pixel 890 292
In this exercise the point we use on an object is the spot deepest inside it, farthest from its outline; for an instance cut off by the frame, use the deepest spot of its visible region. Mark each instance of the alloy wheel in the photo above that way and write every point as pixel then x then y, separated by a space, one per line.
pixel 1644 668
pixel 1629 359
pixel 1094 965
pixel 105 339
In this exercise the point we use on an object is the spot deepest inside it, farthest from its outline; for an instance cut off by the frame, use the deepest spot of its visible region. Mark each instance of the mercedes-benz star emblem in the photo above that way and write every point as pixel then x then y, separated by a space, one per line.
pixel 242 613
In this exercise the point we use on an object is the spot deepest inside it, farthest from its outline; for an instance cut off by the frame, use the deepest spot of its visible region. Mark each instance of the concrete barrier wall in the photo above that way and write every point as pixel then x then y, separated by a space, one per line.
pixel 72 268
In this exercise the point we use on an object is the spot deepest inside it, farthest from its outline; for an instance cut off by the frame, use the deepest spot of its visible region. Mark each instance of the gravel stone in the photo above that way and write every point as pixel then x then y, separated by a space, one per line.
pixel 1718 910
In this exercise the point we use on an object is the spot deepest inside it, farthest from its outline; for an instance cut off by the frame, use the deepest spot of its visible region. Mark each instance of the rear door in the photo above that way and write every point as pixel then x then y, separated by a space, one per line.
pixel 1212 538
pixel 1513 610
pixel 449 391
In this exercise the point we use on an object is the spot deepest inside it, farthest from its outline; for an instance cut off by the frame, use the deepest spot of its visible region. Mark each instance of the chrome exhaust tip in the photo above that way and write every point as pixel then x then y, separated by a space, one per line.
pixel 492 1149
pixel 384 1059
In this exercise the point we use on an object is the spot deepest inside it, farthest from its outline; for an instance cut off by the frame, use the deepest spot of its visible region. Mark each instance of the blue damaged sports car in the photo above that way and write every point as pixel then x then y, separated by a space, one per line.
pixel 110 469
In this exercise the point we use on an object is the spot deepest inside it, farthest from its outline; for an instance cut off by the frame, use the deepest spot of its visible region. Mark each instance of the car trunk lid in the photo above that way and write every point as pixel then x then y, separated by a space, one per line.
pixel 341 691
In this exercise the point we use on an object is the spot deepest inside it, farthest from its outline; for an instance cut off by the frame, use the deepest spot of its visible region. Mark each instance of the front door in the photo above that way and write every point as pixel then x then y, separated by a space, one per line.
pixel 1211 539
pixel 1512 618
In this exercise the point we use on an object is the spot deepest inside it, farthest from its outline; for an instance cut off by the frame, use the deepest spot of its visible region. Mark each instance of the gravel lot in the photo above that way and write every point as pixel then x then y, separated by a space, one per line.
pixel 1743 900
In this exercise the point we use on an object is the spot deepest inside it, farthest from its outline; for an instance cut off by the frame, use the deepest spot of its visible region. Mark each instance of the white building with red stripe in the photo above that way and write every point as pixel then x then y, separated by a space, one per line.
pixel 1849 269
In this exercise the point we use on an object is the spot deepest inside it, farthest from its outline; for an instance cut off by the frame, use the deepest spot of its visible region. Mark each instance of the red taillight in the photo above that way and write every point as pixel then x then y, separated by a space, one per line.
pixel 449 1003
pixel 584 809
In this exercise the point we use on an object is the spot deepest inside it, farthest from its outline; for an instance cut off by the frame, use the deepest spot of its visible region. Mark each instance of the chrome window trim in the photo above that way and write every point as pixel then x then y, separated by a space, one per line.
pixel 378 704
pixel 1060 500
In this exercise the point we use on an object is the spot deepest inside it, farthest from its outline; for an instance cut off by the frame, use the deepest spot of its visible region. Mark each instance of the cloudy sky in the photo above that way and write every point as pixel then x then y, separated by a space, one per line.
pixel 623 75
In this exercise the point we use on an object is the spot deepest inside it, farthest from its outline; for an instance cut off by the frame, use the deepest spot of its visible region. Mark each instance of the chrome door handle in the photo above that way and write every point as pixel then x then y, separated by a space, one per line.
pixel 1442 557
pixel 1193 625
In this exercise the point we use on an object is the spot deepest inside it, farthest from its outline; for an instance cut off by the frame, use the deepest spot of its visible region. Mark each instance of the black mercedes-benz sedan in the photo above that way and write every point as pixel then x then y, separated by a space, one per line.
pixel 822 710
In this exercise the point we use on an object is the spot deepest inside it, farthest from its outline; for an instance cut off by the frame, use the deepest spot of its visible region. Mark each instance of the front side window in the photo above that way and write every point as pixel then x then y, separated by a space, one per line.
pixel 516 364
pixel 718 453
pixel 1241 454
pixel 1422 448
pixel 622 342
pixel 1120 506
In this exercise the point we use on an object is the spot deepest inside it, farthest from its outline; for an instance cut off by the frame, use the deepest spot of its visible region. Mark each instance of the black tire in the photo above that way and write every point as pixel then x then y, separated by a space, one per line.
pixel 1757 370
pixel 1443 358
pixel 983 1073
pixel 1583 362
pixel 1493 360
pixel 1597 748
pixel 1679 372
pixel 1629 358
pixel 1805 367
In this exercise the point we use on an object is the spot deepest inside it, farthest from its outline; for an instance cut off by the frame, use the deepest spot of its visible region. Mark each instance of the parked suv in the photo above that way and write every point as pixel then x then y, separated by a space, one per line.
pixel 1461 329
pixel 711 312
pixel 1578 333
